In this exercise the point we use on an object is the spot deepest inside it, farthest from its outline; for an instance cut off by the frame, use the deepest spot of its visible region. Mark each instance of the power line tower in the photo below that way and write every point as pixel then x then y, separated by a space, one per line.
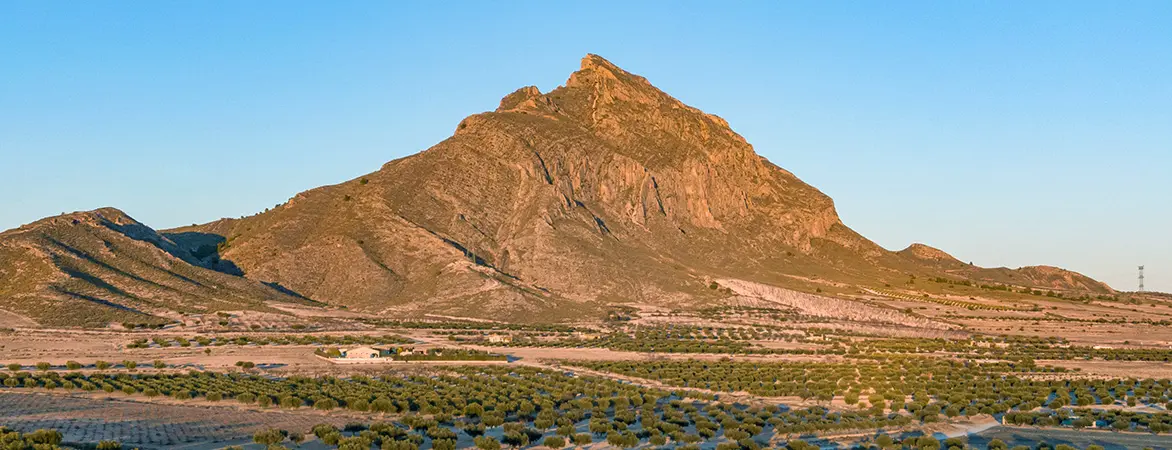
pixel 1141 278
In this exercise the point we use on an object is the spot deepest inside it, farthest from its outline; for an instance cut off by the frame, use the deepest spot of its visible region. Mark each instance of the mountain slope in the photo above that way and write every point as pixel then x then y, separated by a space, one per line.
pixel 98 267
pixel 603 190
pixel 1044 277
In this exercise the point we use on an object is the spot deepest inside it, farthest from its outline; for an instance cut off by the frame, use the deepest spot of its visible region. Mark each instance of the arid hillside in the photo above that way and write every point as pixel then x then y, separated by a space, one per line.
pixel 100 267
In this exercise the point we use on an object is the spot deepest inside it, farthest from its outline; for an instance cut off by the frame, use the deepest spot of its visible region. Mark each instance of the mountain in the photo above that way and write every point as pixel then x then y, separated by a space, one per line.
pixel 100 267
pixel 603 190
pixel 554 206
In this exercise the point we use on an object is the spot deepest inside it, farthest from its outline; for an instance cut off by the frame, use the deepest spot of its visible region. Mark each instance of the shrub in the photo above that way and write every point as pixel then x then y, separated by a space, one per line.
pixel 554 442
pixel 582 439
pixel 46 437
pixel 358 405
pixel 325 404
pixel 382 405
pixel 486 443
pixel 331 438
pixel 268 437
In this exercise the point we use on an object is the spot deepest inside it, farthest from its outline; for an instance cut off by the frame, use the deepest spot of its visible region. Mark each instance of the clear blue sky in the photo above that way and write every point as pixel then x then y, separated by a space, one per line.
pixel 1005 132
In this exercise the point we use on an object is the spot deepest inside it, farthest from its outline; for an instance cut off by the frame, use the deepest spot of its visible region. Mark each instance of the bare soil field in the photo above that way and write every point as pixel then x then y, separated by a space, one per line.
pixel 548 354
pixel 1116 369
pixel 1108 334
pixel 162 422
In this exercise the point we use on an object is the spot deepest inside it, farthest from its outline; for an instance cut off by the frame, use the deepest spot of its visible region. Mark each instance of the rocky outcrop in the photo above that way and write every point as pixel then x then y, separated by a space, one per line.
pixel 930 255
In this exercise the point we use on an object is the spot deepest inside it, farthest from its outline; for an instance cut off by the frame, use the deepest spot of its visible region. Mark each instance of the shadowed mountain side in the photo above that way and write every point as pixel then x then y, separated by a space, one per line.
pixel 97 267
pixel 204 250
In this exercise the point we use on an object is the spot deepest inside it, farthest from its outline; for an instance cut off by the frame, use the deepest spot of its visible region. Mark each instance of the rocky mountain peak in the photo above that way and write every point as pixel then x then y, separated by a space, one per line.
pixel 595 72
pixel 519 97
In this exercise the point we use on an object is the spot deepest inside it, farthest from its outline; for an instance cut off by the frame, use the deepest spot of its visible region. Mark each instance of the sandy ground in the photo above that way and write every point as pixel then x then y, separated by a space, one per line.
pixel 9 319
pixel 1116 369
pixel 542 354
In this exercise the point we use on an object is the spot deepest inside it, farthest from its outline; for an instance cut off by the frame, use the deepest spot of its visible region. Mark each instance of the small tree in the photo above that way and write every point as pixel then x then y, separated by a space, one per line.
pixel 102 365
pixel 486 443
pixel 159 364
pixel 268 437
pixel 50 438
pixel 15 367
pixel 44 366
pixel 850 397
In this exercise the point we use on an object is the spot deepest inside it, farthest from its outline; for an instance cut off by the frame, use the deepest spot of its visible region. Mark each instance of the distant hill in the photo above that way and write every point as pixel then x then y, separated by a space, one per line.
pixel 100 267
pixel 1043 277
pixel 553 206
